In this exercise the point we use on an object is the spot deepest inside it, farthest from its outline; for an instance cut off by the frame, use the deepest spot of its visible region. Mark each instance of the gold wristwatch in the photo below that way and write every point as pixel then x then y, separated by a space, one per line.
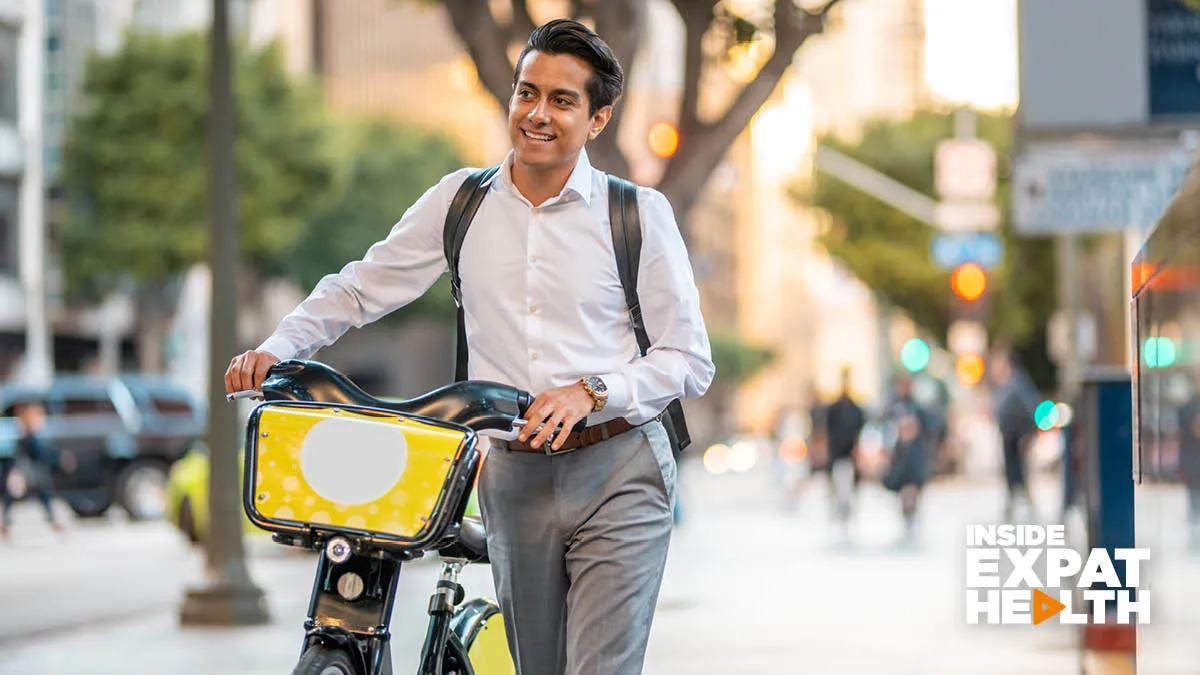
pixel 599 391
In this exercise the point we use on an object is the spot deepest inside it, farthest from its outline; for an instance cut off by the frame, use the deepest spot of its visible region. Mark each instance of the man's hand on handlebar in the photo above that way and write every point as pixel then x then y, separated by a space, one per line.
pixel 561 406
pixel 248 370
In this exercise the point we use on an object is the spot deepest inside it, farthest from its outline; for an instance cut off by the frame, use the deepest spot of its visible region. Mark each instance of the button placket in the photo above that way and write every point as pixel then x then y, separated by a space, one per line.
pixel 533 283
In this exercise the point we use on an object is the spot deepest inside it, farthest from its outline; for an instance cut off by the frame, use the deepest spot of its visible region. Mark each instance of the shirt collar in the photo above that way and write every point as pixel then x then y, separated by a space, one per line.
pixel 579 182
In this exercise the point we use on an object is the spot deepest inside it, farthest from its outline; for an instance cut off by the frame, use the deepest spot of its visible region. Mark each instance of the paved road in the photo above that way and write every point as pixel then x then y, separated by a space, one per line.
pixel 756 584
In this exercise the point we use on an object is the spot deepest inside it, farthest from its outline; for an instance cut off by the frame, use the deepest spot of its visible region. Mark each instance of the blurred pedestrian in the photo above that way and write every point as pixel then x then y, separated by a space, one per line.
pixel 30 469
pixel 843 422
pixel 1189 460
pixel 908 467
pixel 1014 400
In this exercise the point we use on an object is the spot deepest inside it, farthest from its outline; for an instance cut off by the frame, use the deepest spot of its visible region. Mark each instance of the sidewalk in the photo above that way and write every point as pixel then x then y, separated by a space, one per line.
pixel 752 586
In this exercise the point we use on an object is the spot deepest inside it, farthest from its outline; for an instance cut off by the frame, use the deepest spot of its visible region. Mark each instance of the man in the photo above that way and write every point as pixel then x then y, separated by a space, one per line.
pixel 1014 399
pixel 35 462
pixel 1189 458
pixel 844 423
pixel 577 540
pixel 908 469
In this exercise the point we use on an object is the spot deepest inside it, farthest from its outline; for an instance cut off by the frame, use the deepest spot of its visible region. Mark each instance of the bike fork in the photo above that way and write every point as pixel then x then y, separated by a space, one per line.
pixel 448 595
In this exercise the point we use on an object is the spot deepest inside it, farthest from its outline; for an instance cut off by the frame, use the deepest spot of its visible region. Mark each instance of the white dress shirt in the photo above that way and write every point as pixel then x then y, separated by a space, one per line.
pixel 543 302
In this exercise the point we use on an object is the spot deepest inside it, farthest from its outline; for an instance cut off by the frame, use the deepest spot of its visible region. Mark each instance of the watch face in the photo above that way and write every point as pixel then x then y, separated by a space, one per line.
pixel 597 385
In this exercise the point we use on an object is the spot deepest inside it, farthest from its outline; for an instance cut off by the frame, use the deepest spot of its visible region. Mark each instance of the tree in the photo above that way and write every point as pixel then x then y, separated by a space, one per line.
pixel 712 31
pixel 134 171
pixel 889 250
pixel 382 169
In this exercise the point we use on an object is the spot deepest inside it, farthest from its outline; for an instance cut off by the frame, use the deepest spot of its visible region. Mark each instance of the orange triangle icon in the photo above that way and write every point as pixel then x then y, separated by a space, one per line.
pixel 1044 607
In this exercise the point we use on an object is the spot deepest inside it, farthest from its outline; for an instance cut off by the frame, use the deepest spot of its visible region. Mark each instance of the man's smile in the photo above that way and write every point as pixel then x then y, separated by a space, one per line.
pixel 545 138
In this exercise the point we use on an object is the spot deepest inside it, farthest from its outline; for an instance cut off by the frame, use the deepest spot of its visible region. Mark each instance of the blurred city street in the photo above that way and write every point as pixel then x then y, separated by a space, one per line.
pixel 754 584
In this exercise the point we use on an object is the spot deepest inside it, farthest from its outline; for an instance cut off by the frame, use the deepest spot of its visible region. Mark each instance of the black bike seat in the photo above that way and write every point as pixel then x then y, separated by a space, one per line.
pixel 473 538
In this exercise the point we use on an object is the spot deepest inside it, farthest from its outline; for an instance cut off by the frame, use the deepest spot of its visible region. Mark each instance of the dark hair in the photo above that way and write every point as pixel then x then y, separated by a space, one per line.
pixel 567 36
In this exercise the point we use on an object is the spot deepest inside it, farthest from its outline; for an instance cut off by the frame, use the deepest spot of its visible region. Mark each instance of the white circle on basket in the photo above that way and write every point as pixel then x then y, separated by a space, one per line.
pixel 353 461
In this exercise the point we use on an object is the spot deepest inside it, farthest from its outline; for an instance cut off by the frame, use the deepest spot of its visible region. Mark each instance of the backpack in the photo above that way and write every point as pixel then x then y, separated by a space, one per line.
pixel 627 244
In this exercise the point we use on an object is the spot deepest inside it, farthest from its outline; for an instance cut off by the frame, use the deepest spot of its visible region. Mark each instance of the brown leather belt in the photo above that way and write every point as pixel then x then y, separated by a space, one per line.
pixel 589 436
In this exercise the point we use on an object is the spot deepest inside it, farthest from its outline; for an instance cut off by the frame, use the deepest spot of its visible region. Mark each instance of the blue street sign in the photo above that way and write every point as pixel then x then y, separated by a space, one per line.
pixel 951 249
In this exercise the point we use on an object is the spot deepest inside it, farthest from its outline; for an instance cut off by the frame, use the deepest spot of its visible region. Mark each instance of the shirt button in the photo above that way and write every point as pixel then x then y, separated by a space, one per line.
pixel 534 355
pixel 533 258
pixel 533 309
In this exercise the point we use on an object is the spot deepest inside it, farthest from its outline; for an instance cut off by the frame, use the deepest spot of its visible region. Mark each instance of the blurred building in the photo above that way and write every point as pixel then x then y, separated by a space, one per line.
pixel 869 64
pixel 12 302
pixel 69 30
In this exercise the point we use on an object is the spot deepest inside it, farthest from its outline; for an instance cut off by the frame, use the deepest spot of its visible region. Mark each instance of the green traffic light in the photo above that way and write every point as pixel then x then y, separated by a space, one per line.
pixel 1158 352
pixel 914 355
pixel 1046 415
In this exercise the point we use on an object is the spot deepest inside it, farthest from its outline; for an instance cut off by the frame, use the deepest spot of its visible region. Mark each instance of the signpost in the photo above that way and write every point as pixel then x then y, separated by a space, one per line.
pixel 949 250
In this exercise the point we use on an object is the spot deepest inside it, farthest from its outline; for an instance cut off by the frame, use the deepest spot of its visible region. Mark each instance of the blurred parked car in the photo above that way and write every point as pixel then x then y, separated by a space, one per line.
pixel 125 433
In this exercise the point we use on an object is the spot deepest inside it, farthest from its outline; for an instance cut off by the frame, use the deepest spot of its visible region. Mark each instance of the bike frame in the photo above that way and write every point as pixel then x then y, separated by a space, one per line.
pixel 350 608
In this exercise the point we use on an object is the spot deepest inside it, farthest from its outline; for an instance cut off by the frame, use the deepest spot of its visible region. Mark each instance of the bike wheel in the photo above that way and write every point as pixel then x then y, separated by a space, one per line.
pixel 322 660
pixel 484 639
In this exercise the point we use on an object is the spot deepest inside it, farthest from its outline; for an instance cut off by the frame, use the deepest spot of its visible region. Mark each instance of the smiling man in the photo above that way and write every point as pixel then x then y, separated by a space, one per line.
pixel 578 524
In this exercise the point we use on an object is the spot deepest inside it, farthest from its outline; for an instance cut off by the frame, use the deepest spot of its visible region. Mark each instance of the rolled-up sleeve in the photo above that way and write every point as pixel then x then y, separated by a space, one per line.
pixel 679 362
pixel 393 273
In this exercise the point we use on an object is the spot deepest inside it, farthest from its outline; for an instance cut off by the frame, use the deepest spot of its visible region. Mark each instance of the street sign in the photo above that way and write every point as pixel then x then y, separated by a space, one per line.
pixel 1069 187
pixel 966 216
pixel 951 250
pixel 966 337
pixel 965 170
pixel 1172 32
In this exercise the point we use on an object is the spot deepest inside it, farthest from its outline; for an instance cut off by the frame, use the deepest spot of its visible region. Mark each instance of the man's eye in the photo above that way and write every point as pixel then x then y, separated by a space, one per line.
pixel 564 102
pixel 524 94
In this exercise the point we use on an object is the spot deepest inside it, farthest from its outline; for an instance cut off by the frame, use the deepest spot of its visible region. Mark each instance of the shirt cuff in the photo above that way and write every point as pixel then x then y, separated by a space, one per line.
pixel 618 393
pixel 279 347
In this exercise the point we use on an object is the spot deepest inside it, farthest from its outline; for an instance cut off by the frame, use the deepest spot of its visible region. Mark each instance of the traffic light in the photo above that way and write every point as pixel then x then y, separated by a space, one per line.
pixel 968 281
pixel 663 139
pixel 967 335
pixel 1046 415
pixel 914 355
pixel 1158 352
pixel 969 368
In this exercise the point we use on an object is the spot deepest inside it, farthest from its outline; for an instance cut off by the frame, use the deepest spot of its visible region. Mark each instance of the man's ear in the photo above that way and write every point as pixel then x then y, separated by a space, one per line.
pixel 599 121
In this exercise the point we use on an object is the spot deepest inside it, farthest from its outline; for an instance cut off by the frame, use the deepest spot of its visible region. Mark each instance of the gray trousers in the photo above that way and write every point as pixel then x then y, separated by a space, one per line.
pixel 578 543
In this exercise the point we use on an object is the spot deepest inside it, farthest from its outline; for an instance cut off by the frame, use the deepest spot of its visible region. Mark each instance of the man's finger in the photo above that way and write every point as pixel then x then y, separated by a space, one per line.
pixel 260 371
pixel 568 423
pixel 550 428
pixel 233 375
pixel 535 416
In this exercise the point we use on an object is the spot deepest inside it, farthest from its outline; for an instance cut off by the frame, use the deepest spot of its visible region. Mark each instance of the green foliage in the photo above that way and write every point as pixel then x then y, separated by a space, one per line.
pixel 736 359
pixel 382 169
pixel 889 251
pixel 134 163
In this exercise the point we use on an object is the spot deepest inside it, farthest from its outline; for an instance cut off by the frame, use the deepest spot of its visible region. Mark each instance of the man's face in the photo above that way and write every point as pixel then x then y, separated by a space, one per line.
pixel 548 118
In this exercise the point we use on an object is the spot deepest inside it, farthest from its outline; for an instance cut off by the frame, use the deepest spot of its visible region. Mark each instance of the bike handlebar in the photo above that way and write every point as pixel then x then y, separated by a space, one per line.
pixel 476 404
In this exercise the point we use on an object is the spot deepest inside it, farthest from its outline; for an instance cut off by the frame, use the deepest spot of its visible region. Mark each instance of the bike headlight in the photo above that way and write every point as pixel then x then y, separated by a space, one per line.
pixel 338 550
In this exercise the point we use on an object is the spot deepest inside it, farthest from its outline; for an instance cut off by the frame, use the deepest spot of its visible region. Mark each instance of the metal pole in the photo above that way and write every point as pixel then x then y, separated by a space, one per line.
pixel 230 597
pixel 38 363
pixel 1070 290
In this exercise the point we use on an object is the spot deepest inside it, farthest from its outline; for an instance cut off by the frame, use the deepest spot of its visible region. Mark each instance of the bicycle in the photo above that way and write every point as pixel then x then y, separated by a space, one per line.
pixel 372 485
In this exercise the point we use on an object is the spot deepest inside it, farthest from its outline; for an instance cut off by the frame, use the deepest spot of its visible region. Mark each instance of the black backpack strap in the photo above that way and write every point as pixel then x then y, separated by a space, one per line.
pixel 458 219
pixel 626 223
